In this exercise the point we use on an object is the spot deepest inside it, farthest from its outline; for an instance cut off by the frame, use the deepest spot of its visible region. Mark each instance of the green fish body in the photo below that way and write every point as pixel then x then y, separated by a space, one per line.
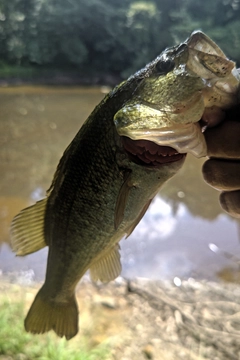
pixel 132 143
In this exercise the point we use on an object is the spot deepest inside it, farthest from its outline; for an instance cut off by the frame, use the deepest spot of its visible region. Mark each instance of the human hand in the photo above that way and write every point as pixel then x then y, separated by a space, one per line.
pixel 222 170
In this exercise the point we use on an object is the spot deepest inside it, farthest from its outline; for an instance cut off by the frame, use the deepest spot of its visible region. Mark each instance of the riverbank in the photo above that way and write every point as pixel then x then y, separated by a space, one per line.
pixel 143 319
pixel 20 75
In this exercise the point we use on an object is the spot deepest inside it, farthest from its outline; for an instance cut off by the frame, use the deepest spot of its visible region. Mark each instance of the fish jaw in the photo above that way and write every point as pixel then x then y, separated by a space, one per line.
pixel 174 131
pixel 208 61
pixel 165 109
pixel 184 138
pixel 148 153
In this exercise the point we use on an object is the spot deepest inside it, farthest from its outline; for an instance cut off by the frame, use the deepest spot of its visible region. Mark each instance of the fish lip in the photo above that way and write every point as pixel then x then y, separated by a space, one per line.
pixel 149 154
pixel 207 60
pixel 201 42
pixel 184 138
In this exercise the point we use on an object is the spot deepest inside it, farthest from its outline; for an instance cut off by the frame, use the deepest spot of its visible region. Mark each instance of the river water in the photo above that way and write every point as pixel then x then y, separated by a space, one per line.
pixel 176 237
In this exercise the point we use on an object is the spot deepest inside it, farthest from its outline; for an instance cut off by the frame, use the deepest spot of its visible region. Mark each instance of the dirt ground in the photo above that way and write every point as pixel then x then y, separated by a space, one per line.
pixel 142 319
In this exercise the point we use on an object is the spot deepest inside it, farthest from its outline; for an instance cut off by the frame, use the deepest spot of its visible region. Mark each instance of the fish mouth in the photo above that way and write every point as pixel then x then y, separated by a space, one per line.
pixel 184 138
pixel 148 153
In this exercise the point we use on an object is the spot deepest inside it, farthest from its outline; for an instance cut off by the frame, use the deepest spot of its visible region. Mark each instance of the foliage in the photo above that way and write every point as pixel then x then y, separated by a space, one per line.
pixel 14 340
pixel 219 19
pixel 110 36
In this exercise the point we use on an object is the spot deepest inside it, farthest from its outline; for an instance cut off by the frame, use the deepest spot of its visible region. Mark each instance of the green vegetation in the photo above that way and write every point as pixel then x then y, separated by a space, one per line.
pixel 7 71
pixel 18 344
pixel 108 36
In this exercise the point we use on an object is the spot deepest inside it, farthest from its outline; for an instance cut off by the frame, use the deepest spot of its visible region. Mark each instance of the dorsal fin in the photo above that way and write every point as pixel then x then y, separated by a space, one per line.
pixel 27 229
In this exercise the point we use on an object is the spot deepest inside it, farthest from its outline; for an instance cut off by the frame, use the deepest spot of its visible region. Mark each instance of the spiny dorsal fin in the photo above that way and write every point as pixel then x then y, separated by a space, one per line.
pixel 61 169
pixel 27 229
pixel 108 267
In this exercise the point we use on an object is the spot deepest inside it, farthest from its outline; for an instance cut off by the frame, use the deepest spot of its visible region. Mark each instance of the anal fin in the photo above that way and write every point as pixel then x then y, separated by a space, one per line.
pixel 108 267
pixel 27 229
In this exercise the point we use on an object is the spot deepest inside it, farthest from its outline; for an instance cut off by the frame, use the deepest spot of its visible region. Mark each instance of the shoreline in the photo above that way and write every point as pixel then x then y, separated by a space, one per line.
pixel 61 78
pixel 143 319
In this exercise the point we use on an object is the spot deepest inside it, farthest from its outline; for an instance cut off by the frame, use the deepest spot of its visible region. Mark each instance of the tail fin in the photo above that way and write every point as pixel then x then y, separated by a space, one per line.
pixel 45 315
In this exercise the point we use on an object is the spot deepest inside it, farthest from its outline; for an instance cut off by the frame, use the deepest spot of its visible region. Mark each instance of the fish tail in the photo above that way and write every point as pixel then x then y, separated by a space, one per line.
pixel 45 315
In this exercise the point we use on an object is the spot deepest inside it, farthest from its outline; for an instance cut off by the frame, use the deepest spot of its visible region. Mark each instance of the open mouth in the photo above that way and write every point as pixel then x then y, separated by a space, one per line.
pixel 145 152
pixel 151 147
pixel 181 138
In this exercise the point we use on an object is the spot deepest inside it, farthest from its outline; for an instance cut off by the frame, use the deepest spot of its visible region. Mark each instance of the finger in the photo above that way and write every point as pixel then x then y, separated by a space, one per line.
pixel 213 116
pixel 221 174
pixel 223 141
pixel 230 202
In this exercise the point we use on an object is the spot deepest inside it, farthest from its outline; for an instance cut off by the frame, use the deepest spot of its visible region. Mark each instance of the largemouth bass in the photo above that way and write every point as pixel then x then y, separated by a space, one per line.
pixel 132 143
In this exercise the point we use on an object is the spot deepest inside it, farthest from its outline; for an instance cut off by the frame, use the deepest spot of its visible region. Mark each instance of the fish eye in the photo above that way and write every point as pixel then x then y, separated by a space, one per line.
pixel 164 66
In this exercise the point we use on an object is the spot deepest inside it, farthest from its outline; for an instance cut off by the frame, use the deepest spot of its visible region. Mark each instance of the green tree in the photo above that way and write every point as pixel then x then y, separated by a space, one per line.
pixel 16 28
pixel 219 19
pixel 109 36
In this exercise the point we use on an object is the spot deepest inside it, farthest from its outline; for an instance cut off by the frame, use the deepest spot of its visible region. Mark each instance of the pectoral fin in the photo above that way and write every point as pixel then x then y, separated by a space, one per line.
pixel 27 229
pixel 108 267
pixel 139 218
pixel 122 200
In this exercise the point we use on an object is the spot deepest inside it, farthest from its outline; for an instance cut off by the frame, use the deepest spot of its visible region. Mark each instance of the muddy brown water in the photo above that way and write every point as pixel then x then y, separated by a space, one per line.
pixel 171 242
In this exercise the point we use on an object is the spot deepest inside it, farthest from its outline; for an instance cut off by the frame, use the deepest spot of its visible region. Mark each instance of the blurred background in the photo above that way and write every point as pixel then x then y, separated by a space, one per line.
pixel 104 40
pixel 58 59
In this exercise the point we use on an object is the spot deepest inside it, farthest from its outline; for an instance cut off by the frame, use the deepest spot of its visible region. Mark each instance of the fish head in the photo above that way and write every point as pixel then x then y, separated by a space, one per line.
pixel 175 91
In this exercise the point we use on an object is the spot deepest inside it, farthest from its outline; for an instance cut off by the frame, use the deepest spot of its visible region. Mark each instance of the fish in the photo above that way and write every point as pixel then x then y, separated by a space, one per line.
pixel 134 141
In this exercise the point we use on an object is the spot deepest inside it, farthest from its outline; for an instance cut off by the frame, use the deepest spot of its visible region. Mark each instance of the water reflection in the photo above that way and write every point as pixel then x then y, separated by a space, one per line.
pixel 36 125
pixel 176 244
